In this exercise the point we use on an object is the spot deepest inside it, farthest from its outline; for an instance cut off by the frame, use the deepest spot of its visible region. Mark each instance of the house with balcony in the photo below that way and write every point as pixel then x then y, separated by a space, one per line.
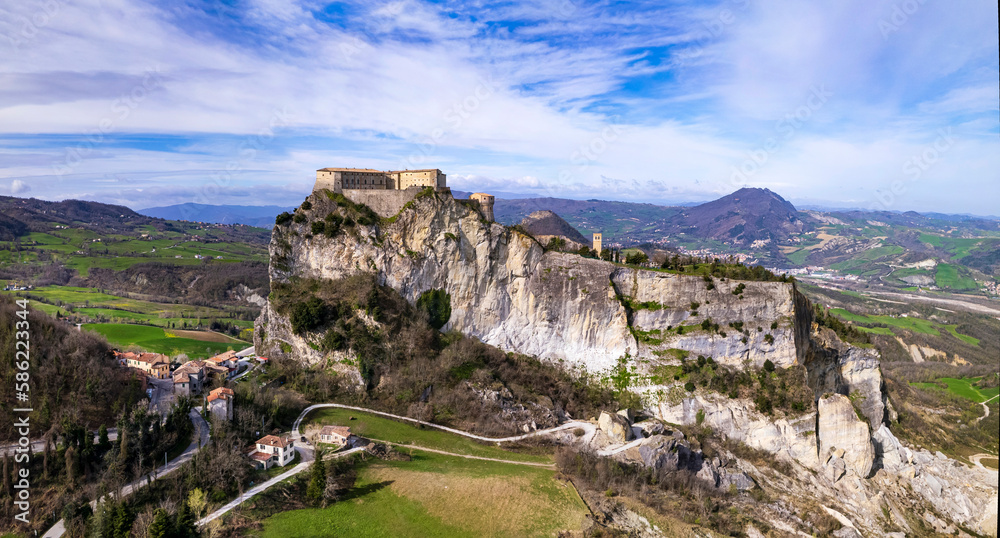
pixel 272 450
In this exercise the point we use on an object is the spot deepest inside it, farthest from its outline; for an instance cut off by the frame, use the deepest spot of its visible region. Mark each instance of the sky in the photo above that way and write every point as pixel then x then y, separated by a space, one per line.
pixel 888 105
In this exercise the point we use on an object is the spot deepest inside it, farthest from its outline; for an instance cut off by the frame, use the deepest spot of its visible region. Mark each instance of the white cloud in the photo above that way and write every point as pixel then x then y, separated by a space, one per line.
pixel 19 187
pixel 510 106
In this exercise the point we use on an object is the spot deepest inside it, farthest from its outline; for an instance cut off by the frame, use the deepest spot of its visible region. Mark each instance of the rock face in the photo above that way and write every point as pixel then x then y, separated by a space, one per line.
pixel 508 291
pixel 844 436
pixel 616 427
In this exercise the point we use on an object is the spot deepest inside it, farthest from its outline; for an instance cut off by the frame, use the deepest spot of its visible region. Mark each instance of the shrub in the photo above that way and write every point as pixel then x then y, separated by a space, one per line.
pixel 309 315
pixel 578 432
pixel 739 289
pixel 306 205
pixel 768 338
pixel 689 386
pixel 318 227
pixel 774 325
pixel 768 366
pixel 638 258
pixel 699 417
pixel 299 218
pixel 283 219
pixel 437 305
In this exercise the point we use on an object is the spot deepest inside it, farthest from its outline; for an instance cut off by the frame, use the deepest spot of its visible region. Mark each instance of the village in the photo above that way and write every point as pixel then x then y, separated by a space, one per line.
pixel 164 381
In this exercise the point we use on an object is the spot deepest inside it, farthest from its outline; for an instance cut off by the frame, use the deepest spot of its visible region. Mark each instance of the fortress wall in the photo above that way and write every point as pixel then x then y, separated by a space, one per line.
pixel 384 202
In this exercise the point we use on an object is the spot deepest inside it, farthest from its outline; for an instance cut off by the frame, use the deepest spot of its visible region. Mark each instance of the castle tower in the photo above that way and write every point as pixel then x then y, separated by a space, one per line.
pixel 485 204
pixel 597 243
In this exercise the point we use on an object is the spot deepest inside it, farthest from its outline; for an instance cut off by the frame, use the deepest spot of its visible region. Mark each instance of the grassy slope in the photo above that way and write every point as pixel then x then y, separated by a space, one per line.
pixel 962 387
pixel 384 429
pixel 436 495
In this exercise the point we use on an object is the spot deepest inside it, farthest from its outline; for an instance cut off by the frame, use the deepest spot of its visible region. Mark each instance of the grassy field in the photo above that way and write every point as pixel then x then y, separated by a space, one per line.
pixel 962 387
pixel 799 256
pixel 948 276
pixel 111 308
pixel 913 324
pixel 436 495
pixel 84 249
pixel 158 340
pixel 384 429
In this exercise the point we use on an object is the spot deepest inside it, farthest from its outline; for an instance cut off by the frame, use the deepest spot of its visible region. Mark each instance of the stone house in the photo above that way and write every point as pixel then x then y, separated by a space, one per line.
pixel 335 435
pixel 220 403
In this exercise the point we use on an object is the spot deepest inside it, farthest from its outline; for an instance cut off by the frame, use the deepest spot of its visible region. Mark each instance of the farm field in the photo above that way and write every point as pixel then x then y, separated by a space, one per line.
pixel 104 307
pixel 962 387
pixel 385 429
pixel 437 495
pixel 948 276
pixel 910 323
pixel 83 249
pixel 158 340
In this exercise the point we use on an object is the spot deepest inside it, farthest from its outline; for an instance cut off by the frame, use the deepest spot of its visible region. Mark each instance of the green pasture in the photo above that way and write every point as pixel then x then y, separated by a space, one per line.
pixel 437 495
pixel 948 276
pixel 156 340
pixel 963 387
pixel 385 429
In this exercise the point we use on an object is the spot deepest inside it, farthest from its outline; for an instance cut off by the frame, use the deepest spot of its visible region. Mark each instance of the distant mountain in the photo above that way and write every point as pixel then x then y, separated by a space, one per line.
pixel 546 224
pixel 259 216
pixel 743 217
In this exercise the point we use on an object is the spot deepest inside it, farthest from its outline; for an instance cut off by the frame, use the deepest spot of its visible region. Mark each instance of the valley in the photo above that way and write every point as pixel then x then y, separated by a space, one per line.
pixel 693 392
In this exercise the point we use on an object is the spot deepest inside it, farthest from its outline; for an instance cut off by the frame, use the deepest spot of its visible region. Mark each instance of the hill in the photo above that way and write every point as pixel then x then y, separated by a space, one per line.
pixel 259 216
pixel 742 217
pixel 546 224
pixel 74 375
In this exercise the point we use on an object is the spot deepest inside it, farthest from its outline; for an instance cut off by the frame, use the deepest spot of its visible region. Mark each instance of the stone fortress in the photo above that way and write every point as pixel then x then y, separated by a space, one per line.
pixel 386 192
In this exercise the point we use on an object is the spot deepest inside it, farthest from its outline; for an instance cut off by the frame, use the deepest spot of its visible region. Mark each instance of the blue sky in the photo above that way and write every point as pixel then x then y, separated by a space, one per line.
pixel 864 103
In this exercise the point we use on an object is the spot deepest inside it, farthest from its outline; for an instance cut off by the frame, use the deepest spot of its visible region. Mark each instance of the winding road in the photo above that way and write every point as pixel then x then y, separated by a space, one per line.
pixel 986 408
pixel 589 428
pixel 589 431
pixel 203 437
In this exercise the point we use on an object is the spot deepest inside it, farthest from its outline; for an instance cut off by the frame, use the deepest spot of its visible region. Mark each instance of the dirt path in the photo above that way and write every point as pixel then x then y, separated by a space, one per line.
pixel 415 447
pixel 986 408
pixel 976 460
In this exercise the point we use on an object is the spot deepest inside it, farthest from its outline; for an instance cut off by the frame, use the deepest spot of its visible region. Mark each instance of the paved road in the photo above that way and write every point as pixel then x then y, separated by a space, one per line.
pixel 38 445
pixel 203 437
pixel 586 426
pixel 262 487
pixel 249 369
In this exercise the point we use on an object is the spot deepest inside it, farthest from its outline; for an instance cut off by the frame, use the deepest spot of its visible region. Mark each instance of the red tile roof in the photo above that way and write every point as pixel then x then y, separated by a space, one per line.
pixel 261 456
pixel 274 440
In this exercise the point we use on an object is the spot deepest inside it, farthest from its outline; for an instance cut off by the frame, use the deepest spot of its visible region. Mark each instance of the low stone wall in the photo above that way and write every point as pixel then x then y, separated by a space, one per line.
pixel 384 202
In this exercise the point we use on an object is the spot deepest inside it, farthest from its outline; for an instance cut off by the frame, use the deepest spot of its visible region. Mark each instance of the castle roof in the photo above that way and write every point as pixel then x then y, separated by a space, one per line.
pixel 349 170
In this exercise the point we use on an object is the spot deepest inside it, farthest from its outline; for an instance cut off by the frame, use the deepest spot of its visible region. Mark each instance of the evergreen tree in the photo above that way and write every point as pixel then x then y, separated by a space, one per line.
pixel 71 467
pixel 160 527
pixel 317 482
pixel 103 440
pixel 122 521
pixel 184 527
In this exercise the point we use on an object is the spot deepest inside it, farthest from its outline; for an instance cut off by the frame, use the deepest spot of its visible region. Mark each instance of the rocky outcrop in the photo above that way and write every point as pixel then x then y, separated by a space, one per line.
pixel 509 292
pixel 616 427
pixel 843 436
